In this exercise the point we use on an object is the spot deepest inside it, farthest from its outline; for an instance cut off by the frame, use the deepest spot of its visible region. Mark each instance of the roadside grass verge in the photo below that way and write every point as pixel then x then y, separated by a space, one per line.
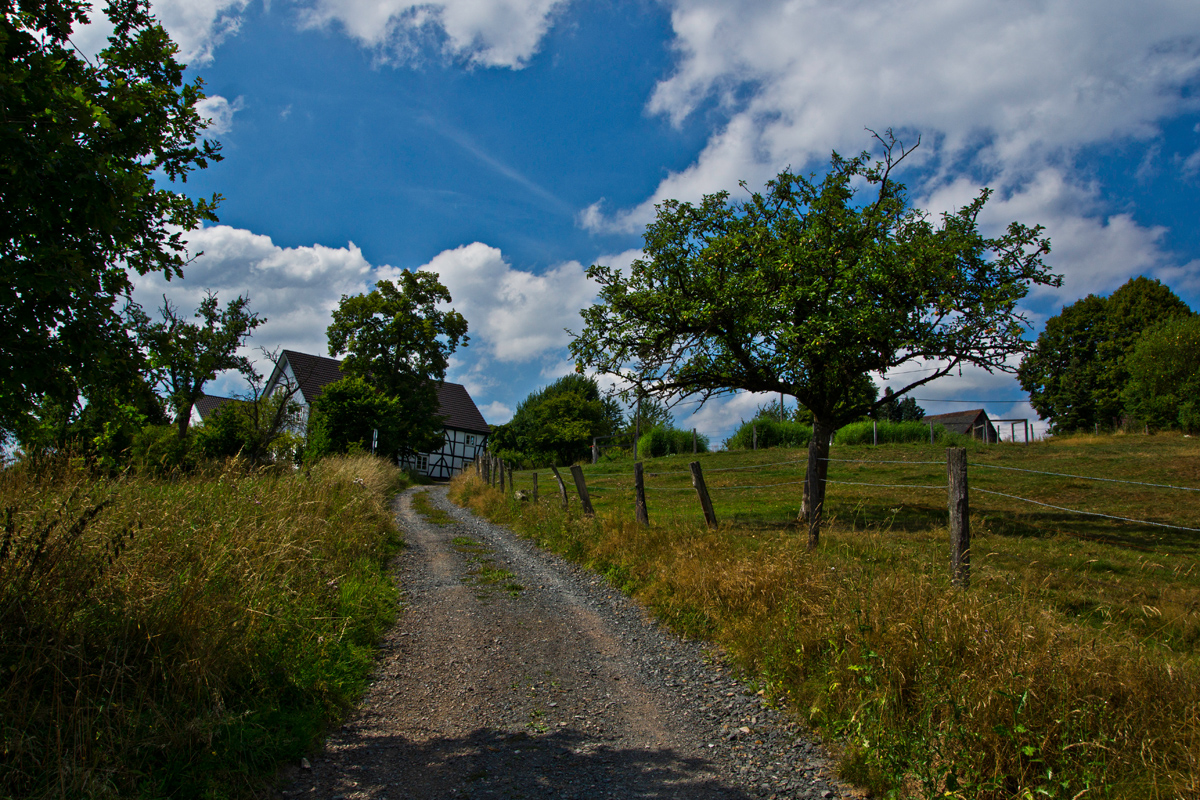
pixel 1069 669
pixel 184 638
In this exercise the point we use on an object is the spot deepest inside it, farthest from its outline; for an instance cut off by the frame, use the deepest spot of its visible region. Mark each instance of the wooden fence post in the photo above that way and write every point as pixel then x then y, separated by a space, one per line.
pixel 535 488
pixel 512 487
pixel 875 433
pixel 581 487
pixel 960 514
pixel 487 469
pixel 812 494
pixel 501 465
pixel 754 436
pixel 710 516
pixel 562 487
pixel 694 444
pixel 639 494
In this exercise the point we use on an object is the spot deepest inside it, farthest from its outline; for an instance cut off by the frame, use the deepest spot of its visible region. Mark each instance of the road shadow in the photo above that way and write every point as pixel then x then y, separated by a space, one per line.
pixel 487 763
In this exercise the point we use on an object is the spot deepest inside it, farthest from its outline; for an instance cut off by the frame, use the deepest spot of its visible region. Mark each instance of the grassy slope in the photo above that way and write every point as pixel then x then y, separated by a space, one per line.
pixel 1070 666
pixel 182 638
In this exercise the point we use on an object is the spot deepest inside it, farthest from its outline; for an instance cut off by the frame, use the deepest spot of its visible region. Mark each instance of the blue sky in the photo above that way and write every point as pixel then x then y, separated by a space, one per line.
pixel 508 144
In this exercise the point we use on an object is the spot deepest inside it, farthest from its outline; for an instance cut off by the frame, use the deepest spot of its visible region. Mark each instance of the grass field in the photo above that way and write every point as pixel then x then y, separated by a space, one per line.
pixel 1070 668
pixel 182 638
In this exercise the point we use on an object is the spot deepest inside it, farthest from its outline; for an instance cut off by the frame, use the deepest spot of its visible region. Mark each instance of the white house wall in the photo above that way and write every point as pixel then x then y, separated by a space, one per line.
pixel 459 450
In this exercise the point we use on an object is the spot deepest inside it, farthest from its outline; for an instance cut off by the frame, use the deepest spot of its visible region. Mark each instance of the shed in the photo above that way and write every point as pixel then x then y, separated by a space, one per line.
pixel 973 423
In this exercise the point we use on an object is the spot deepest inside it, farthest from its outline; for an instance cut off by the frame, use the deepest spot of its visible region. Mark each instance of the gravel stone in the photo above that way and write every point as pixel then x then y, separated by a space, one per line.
pixel 546 683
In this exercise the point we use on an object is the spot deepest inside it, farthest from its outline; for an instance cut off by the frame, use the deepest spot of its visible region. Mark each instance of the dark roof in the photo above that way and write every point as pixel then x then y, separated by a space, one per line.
pixel 313 373
pixel 960 421
pixel 208 403
pixel 459 409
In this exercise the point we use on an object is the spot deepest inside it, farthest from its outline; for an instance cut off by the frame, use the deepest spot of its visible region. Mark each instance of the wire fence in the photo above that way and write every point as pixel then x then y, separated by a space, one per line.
pixel 625 483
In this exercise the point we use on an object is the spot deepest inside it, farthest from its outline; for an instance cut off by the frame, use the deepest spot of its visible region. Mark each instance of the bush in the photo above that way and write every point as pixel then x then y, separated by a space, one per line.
pixel 771 433
pixel 898 433
pixel 662 440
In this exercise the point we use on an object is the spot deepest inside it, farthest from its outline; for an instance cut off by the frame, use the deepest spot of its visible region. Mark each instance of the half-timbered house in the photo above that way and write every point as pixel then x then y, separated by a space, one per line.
pixel 466 431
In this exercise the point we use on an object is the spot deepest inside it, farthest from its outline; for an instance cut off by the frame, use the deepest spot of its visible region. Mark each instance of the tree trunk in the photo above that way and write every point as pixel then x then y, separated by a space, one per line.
pixel 818 468
pixel 182 419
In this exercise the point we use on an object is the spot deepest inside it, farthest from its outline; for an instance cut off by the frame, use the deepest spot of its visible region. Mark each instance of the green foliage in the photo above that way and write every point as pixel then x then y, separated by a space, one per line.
pixel 771 433
pixel 184 638
pixel 350 411
pixel 905 410
pixel 864 432
pixel 556 423
pixel 184 356
pixel 84 151
pixel 398 339
pixel 1080 365
pixel 807 288
pixel 159 450
pixel 662 440
pixel 1164 375
pixel 259 428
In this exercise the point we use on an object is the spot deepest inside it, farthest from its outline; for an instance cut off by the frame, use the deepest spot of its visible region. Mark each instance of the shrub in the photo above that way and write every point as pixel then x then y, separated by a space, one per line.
pixel 662 440
pixel 771 433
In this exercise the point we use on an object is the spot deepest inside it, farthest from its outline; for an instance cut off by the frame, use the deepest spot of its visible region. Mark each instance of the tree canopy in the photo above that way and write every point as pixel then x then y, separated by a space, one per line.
pixel 1077 371
pixel 555 424
pixel 84 149
pixel 807 288
pixel 1163 390
pixel 184 356
pixel 398 339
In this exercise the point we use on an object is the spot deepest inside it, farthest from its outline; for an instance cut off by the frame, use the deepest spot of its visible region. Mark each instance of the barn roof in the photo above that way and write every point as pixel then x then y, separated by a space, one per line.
pixel 455 405
pixel 959 421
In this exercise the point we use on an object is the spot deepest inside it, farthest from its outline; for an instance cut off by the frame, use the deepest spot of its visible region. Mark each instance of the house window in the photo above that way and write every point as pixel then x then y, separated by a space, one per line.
pixel 422 462
pixel 470 440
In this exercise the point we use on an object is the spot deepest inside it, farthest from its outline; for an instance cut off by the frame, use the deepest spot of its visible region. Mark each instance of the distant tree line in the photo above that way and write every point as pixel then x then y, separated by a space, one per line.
pixel 1131 358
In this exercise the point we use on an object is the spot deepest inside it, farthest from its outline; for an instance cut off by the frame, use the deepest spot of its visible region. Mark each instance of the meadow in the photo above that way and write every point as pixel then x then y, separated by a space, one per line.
pixel 182 638
pixel 1068 669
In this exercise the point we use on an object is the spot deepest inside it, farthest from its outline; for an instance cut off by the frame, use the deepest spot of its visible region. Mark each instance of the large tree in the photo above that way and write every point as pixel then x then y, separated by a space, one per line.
pixel 399 338
pixel 807 288
pixel 555 424
pixel 184 356
pixel 86 147
pixel 1163 390
pixel 1076 372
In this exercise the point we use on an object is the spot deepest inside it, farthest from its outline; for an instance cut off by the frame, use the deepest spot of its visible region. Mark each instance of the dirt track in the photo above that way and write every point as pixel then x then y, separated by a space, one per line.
pixel 512 674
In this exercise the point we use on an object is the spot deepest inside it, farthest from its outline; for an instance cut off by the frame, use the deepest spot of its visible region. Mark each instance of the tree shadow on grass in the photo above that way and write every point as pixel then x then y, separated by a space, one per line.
pixel 488 763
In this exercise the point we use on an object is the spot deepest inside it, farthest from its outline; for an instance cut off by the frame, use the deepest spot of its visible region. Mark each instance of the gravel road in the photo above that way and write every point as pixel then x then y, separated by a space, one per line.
pixel 513 674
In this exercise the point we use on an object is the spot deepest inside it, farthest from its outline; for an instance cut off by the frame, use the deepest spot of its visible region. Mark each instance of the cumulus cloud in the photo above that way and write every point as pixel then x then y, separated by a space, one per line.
pixel 496 413
pixel 1006 93
pixel 516 316
pixel 219 113
pixel 487 33
pixel 198 26
pixel 295 288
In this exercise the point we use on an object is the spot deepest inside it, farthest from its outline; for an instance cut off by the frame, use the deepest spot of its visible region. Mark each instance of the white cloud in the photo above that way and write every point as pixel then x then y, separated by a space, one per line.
pixel 1008 91
pixel 295 288
pixel 496 413
pixel 517 316
pixel 219 112
pixel 488 33
pixel 198 26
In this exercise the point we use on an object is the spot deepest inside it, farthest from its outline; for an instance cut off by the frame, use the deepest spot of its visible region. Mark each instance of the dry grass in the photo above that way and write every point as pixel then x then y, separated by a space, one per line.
pixel 930 691
pixel 181 638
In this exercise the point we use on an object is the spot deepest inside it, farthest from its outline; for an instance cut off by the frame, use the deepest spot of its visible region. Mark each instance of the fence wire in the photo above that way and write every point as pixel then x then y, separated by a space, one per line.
pixel 1087 513
pixel 1086 477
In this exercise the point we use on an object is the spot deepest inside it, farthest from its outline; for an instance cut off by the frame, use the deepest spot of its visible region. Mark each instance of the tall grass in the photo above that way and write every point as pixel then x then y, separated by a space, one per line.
pixel 770 433
pixel 662 441
pixel 179 639
pixel 930 691
pixel 866 431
